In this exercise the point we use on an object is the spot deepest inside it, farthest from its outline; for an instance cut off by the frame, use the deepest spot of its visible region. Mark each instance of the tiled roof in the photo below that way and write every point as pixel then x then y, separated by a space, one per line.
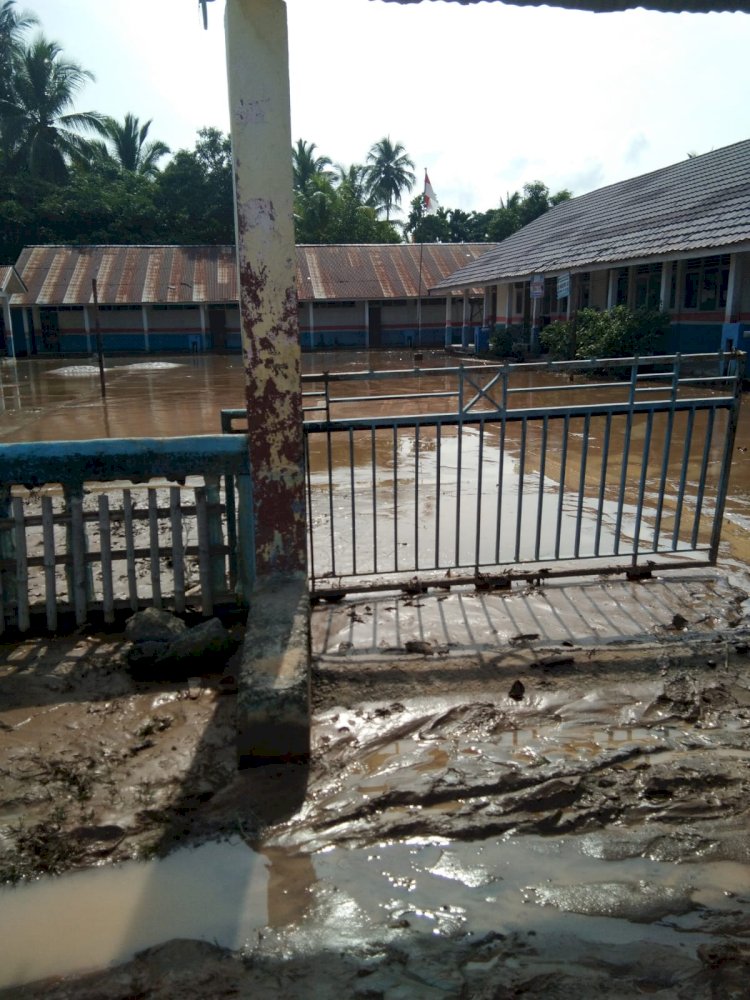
pixel 62 275
pixel 610 6
pixel 698 205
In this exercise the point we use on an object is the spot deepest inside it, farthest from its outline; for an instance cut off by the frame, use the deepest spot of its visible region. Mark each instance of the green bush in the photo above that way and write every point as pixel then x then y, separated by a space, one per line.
pixel 508 342
pixel 615 333
pixel 559 339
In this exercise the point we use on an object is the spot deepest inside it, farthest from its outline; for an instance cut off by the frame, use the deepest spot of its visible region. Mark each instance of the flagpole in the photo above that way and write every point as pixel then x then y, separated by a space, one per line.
pixel 421 257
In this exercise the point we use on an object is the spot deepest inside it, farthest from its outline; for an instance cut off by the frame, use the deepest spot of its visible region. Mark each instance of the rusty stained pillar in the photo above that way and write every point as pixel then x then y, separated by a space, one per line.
pixel 258 74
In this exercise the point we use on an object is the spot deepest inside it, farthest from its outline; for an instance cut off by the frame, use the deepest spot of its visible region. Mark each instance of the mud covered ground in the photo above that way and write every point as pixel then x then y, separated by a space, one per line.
pixel 535 818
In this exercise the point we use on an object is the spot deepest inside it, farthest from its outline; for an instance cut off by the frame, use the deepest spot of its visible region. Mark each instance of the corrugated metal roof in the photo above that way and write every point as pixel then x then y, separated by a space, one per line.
pixel 695 206
pixel 610 6
pixel 62 275
pixel 378 271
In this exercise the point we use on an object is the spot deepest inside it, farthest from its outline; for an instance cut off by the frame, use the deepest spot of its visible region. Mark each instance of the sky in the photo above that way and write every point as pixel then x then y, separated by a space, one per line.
pixel 485 97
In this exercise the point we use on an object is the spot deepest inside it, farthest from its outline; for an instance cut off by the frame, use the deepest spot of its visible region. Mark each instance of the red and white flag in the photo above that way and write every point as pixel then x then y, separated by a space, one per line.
pixel 430 202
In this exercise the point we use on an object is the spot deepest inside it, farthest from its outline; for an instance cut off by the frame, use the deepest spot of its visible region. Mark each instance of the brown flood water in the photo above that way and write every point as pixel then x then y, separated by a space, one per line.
pixel 45 399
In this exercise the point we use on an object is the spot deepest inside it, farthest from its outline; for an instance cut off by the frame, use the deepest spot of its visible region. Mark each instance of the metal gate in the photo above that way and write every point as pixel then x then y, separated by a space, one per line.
pixel 496 473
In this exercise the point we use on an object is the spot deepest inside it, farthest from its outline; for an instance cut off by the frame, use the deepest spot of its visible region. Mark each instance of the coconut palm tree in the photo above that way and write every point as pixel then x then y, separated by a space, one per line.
pixel 129 146
pixel 38 128
pixel 307 166
pixel 13 23
pixel 390 173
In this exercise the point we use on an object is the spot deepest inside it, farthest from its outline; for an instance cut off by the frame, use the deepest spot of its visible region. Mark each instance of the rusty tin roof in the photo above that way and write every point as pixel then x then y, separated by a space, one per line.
pixel 378 271
pixel 62 275
pixel 125 275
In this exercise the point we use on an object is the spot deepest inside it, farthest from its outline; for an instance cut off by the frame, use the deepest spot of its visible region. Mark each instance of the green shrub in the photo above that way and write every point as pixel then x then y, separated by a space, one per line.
pixel 614 333
pixel 559 339
pixel 509 342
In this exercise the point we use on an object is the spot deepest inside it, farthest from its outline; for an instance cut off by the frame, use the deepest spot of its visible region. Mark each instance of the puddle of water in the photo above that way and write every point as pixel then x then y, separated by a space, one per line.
pixel 226 893
pixel 98 917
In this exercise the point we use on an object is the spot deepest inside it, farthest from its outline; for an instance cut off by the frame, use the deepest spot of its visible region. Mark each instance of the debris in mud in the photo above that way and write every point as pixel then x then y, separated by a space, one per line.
pixel 163 645
pixel 516 691
pixel 419 647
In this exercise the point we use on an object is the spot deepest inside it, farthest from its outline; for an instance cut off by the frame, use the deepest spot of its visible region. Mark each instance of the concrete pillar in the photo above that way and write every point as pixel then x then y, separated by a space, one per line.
pixel 612 288
pixel 145 325
pixel 465 318
pixel 448 319
pixel 9 345
pixel 273 697
pixel 203 311
pixel 26 330
pixel 367 323
pixel 734 289
pixel 258 73
pixel 311 323
pixel 87 328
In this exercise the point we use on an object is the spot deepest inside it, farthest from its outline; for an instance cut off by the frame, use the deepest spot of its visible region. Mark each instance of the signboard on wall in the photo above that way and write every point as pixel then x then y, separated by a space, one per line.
pixel 537 286
pixel 563 286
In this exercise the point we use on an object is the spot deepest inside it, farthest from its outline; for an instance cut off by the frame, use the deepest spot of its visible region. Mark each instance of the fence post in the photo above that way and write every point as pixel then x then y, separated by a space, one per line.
pixel 77 570
pixel 8 587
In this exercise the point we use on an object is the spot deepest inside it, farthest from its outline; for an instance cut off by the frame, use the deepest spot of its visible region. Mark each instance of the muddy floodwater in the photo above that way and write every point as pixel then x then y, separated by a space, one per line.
pixel 542 792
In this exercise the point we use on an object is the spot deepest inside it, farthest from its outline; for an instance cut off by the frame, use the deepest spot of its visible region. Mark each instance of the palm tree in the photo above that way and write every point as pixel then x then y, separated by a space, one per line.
pixel 307 166
pixel 130 148
pixel 390 173
pixel 37 126
pixel 13 23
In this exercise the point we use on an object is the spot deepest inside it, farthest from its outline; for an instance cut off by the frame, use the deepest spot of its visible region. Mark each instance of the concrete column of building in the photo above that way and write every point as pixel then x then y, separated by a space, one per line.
pixel 465 318
pixel 146 331
pixel 87 329
pixel 734 289
pixel 26 330
pixel 612 289
pixel 203 310
pixel 10 347
pixel 448 319
pixel 273 698
pixel 367 323
pixel 311 323
pixel 10 350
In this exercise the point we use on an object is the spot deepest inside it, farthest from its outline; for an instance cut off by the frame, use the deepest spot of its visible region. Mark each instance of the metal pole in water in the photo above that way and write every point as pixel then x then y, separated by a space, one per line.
pixel 98 329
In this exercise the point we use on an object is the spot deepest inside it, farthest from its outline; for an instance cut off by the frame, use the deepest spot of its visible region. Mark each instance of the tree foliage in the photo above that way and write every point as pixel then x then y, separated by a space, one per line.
pixel 130 147
pixel 41 132
pixel 71 176
pixel 390 172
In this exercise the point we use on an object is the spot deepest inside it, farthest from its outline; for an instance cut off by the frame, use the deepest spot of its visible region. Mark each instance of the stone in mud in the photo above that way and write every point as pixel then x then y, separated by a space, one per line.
pixel 153 625
pixel 208 642
pixel 162 642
